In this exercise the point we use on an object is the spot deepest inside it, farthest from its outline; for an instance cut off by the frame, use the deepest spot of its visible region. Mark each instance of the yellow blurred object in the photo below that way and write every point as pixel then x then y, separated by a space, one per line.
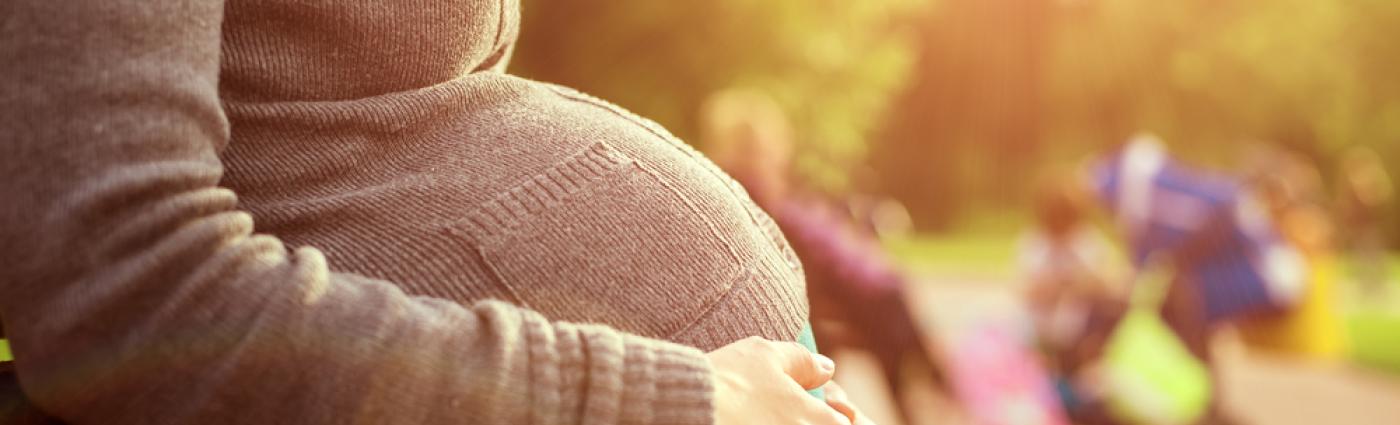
pixel 1313 328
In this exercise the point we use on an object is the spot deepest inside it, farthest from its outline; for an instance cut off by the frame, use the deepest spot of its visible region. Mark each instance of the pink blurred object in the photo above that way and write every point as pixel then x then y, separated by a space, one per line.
pixel 1000 382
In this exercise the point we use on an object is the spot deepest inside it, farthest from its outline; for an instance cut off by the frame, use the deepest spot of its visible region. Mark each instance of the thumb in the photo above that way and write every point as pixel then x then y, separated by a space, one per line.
pixel 808 369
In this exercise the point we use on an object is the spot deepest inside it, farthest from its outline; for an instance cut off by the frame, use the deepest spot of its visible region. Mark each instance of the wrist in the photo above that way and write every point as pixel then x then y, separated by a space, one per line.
pixel 667 383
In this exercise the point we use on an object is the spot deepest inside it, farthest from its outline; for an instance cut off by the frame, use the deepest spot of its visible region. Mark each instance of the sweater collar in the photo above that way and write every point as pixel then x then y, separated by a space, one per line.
pixel 316 50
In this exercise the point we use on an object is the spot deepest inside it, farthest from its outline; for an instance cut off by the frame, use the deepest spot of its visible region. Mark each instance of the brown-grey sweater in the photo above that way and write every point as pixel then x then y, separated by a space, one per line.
pixel 398 179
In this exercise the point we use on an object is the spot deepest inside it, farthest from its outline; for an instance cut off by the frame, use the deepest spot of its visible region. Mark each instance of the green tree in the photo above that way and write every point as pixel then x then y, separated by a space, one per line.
pixel 1317 76
pixel 832 64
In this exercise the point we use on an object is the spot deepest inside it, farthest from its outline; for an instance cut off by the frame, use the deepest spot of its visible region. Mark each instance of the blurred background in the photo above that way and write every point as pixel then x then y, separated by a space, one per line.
pixel 936 123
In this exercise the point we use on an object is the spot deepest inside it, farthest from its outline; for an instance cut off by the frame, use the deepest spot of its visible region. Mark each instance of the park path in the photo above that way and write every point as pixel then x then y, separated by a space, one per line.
pixel 1259 389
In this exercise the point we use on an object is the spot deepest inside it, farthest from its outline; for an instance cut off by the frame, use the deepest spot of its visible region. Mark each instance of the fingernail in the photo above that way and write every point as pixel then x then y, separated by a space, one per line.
pixel 825 363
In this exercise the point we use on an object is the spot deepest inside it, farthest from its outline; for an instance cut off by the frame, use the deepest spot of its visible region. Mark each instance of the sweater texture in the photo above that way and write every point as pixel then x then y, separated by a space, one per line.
pixel 330 211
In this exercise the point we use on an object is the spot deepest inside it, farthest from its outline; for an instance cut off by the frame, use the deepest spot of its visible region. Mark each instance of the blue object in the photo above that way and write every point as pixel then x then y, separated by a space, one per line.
pixel 1235 254
pixel 1068 398
pixel 808 340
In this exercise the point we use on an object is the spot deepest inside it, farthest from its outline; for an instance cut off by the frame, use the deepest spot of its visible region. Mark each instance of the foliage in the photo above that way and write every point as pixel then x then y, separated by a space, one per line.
pixel 1315 76
pixel 1007 90
pixel 831 64
pixel 963 106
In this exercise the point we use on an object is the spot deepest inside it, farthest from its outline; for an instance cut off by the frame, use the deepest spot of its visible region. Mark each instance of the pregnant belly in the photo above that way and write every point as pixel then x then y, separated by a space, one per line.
pixel 561 204
pixel 599 238
pixel 596 238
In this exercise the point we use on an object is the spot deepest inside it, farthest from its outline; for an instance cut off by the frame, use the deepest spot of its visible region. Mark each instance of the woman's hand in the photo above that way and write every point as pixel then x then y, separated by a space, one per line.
pixel 836 398
pixel 758 381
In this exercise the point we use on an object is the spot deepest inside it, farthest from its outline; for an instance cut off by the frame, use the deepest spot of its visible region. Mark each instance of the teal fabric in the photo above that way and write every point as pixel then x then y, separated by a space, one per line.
pixel 807 340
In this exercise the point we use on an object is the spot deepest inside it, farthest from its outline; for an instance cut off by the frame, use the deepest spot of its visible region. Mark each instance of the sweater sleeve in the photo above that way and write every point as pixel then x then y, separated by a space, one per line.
pixel 135 291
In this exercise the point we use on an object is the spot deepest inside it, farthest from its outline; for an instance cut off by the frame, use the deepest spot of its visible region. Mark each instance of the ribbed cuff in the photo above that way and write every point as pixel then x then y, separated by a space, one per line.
pixel 673 382
pixel 638 381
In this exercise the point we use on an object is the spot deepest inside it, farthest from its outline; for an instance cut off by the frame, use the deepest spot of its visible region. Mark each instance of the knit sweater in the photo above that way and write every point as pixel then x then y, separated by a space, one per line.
pixel 399 181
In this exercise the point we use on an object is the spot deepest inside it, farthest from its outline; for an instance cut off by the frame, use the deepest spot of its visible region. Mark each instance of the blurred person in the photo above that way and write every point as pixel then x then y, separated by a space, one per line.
pixel 1365 198
pixel 418 181
pixel 1229 261
pixel 1211 223
pixel 1290 187
pixel 1065 261
pixel 1073 291
pixel 852 284
pixel 883 217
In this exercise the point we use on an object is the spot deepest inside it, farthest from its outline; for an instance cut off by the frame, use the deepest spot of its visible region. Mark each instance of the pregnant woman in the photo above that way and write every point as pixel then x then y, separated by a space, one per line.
pixel 395 175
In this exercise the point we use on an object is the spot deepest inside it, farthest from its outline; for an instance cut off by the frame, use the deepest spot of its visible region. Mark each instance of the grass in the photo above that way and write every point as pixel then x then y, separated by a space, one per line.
pixel 1375 338
pixel 1372 325
pixel 984 257
pixel 984 248
pixel 5 355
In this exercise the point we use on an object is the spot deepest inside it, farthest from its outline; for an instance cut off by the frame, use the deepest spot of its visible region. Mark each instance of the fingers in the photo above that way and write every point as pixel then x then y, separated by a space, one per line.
pixel 808 369
pixel 837 399
pixel 818 412
pixel 761 381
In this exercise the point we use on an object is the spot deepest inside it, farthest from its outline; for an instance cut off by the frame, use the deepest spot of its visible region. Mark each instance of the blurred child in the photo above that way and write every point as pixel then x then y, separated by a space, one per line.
pixel 1072 290
pixel 1066 262
pixel 851 283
